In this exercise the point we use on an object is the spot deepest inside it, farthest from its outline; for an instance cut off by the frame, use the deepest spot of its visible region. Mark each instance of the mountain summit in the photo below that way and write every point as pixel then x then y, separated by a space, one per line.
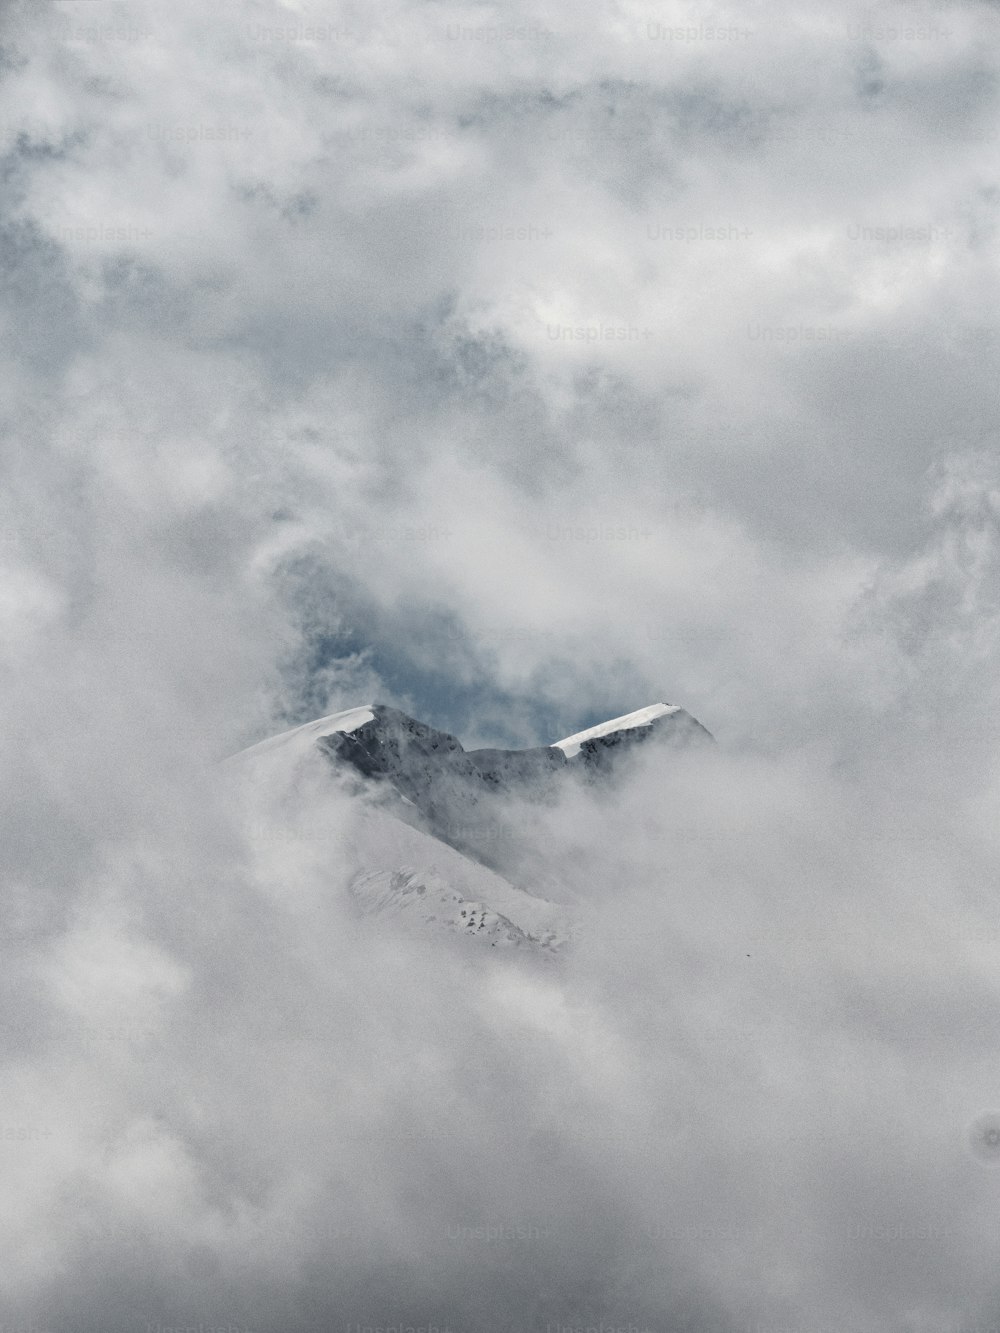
pixel 444 827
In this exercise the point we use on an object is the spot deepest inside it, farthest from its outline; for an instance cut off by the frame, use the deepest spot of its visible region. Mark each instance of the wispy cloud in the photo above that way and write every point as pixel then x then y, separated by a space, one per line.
pixel 517 367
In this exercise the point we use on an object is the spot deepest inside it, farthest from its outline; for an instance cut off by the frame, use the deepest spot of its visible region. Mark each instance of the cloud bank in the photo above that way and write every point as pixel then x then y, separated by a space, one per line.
pixel 517 368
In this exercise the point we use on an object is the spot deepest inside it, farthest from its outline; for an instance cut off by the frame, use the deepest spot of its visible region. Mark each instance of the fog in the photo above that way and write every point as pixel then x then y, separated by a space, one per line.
pixel 516 376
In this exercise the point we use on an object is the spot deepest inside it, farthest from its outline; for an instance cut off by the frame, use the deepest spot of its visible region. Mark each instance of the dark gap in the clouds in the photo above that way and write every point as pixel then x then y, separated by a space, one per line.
pixel 434 696
pixel 426 661
pixel 465 707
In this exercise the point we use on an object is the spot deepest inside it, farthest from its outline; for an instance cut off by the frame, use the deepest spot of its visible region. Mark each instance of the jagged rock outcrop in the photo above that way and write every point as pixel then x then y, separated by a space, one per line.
pixel 462 795
pixel 446 833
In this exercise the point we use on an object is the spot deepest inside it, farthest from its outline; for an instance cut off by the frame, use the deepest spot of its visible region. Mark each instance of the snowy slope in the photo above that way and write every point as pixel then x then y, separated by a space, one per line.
pixel 642 717
pixel 414 873
pixel 302 818
pixel 301 740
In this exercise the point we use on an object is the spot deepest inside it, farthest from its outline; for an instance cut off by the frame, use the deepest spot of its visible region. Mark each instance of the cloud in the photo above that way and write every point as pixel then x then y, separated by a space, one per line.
pixel 519 368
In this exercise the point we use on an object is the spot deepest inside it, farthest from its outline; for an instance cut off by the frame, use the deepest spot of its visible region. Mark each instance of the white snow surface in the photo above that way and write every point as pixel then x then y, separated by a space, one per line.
pixel 302 739
pixel 303 829
pixel 642 717
pixel 405 871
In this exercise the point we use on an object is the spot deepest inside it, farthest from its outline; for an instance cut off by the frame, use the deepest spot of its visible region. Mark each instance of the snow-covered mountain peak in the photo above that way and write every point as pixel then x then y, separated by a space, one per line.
pixel 441 835
pixel 304 738
pixel 642 717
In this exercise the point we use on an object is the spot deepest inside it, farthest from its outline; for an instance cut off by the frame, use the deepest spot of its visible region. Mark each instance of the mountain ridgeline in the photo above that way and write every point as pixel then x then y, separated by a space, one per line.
pixel 465 797
pixel 441 839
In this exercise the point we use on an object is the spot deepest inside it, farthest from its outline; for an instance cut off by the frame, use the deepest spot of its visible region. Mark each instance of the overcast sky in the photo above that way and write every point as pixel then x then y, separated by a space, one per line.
pixel 518 366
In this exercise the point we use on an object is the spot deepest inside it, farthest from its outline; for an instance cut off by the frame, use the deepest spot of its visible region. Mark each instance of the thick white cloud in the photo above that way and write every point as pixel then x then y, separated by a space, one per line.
pixel 520 367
